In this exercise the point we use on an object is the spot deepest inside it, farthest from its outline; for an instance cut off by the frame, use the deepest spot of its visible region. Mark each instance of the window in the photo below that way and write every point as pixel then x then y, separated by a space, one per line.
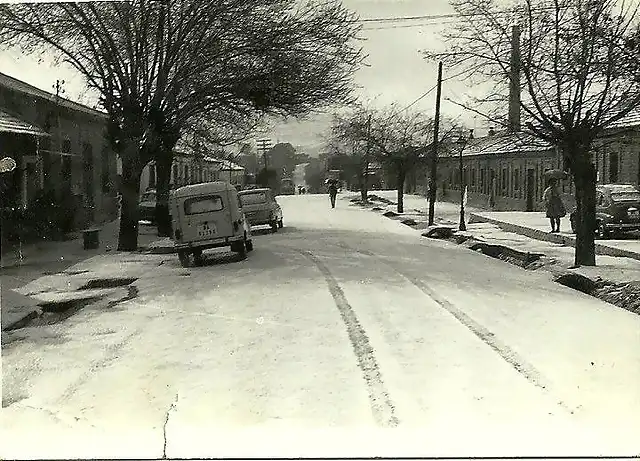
pixel 87 176
pixel 253 198
pixel 205 204
pixel 505 182
pixel 613 167
pixel 152 175
pixel 104 170
pixel 628 196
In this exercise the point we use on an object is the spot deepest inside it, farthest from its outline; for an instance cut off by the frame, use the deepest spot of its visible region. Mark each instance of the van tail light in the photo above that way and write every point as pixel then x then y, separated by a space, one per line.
pixel 178 235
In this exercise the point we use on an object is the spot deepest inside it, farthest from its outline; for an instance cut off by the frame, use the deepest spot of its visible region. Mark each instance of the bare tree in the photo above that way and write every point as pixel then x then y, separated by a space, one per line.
pixel 572 59
pixel 345 144
pixel 160 65
pixel 398 138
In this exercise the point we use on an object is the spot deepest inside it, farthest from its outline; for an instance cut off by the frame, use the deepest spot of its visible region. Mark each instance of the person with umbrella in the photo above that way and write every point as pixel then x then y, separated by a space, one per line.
pixel 333 192
pixel 553 202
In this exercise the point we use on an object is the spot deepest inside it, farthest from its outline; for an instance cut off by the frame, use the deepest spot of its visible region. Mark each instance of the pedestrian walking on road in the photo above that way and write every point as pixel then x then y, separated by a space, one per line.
pixel 333 192
pixel 555 207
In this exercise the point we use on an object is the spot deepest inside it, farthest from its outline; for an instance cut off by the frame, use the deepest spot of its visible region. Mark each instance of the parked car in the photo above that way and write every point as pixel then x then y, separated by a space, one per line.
pixel 147 206
pixel 208 215
pixel 261 208
pixel 617 209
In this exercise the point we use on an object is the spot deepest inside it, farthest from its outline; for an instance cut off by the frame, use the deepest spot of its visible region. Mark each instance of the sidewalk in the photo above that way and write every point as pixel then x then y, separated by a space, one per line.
pixel 536 225
pixel 616 261
pixel 20 268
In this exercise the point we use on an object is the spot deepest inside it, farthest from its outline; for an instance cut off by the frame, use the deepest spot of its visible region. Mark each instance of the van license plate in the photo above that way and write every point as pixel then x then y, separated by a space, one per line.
pixel 206 230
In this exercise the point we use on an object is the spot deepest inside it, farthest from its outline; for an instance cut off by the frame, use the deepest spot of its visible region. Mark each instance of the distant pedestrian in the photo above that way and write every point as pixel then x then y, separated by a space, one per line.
pixel 553 203
pixel 333 192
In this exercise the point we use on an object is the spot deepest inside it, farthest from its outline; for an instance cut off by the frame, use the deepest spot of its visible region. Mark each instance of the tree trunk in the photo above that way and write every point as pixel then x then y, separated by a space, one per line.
pixel 163 173
pixel 130 190
pixel 584 176
pixel 364 184
pixel 401 176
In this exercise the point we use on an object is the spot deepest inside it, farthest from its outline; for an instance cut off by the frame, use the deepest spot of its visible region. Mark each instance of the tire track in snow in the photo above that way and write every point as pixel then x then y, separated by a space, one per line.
pixel 503 350
pixel 381 405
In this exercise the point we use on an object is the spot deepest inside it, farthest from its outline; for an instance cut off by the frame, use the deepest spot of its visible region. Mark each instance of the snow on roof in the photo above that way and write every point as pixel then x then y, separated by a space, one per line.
pixel 630 120
pixel 229 165
pixel 23 87
pixel 499 144
pixel 11 124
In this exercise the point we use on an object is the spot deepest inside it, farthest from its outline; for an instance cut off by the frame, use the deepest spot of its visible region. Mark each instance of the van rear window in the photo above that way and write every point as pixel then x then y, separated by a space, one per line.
pixel 250 199
pixel 204 204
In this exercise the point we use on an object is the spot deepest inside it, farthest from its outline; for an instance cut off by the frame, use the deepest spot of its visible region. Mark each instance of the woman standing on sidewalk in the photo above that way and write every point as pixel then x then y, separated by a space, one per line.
pixel 554 205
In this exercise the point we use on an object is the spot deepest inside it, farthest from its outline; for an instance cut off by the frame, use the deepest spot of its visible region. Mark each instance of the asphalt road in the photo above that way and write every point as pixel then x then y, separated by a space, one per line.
pixel 344 334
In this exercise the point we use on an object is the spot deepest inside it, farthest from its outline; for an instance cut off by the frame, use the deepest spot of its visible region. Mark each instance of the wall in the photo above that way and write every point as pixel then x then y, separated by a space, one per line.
pixel 76 159
pixel 184 170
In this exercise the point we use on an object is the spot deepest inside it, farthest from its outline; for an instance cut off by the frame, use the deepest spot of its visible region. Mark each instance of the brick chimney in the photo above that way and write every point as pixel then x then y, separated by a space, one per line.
pixel 514 81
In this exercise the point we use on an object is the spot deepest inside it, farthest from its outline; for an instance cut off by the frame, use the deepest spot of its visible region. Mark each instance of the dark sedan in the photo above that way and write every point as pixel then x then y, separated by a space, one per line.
pixel 617 209
pixel 147 206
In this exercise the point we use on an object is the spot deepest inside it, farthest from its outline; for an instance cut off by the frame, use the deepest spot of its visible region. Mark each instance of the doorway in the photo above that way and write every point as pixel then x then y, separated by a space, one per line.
pixel 531 188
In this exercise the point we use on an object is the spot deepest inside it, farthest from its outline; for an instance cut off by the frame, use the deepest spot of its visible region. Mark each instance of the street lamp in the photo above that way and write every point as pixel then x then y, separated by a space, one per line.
pixel 461 142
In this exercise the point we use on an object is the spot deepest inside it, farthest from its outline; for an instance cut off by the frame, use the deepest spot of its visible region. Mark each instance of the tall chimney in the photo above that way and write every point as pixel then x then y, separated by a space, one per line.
pixel 514 81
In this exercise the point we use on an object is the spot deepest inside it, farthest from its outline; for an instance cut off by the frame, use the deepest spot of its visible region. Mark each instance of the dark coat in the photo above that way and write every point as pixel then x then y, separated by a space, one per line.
pixel 553 203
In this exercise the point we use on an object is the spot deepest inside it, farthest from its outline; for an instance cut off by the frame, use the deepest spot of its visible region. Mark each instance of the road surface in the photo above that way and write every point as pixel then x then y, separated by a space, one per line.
pixel 344 334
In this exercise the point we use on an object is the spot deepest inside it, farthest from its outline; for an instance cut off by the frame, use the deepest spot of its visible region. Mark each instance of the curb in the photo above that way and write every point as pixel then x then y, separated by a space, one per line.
pixel 553 238
pixel 23 321
pixel 157 250
pixel 528 260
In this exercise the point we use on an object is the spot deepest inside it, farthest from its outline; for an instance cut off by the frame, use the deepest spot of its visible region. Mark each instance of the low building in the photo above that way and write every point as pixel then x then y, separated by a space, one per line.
pixel 60 147
pixel 232 172
pixel 506 171
pixel 187 168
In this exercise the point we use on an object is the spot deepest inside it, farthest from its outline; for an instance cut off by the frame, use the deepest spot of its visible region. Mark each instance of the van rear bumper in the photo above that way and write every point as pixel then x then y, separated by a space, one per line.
pixel 212 243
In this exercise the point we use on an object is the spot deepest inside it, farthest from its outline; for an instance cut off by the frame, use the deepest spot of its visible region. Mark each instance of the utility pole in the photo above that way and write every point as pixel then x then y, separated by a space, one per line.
pixel 59 91
pixel 264 145
pixel 434 157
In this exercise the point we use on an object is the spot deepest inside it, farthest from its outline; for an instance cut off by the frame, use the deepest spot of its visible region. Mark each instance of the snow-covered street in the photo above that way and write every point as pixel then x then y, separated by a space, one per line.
pixel 344 334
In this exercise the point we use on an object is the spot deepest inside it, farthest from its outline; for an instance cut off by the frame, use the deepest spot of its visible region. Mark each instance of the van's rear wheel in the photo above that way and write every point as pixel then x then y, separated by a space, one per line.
pixel 240 248
pixel 274 226
pixel 280 224
pixel 184 258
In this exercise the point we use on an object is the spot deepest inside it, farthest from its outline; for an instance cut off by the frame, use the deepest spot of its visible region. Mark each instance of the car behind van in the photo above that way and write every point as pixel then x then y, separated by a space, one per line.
pixel 262 208
pixel 208 215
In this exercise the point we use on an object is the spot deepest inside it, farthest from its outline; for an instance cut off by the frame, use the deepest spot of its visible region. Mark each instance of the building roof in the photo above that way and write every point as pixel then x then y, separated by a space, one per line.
pixel 11 124
pixel 22 87
pixel 229 165
pixel 630 120
pixel 498 144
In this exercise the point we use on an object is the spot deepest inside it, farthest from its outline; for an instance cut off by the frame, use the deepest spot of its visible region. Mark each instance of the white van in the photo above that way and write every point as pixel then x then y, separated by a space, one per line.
pixel 208 215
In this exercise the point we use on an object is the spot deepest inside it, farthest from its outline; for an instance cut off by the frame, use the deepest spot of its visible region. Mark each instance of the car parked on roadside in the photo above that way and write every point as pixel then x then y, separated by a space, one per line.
pixel 261 208
pixel 147 206
pixel 617 210
pixel 208 215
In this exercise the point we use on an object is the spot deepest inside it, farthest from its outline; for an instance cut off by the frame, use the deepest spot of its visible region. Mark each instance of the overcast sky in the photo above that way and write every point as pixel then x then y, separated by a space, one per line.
pixel 395 70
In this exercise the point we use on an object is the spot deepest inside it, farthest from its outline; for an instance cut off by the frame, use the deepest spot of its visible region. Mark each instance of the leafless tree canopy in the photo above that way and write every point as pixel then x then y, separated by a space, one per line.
pixel 575 59
pixel 166 62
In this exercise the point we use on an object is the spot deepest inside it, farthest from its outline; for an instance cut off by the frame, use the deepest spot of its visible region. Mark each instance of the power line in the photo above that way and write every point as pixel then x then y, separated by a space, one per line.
pixel 443 16
pixel 410 18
